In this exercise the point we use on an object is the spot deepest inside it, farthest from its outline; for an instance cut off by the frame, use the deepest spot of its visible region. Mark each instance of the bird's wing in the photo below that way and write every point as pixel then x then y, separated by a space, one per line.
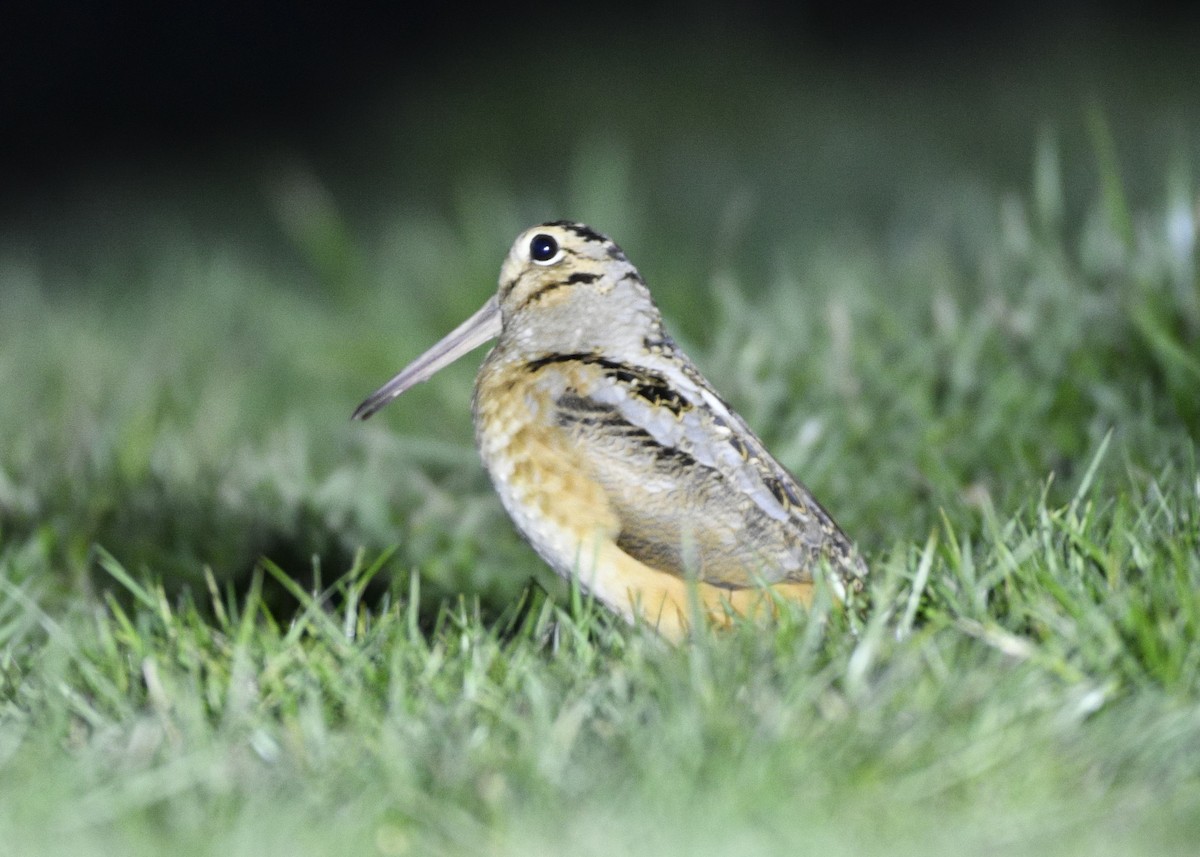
pixel 695 490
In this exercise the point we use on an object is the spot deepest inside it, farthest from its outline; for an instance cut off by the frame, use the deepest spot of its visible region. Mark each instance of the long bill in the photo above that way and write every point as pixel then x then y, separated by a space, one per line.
pixel 476 330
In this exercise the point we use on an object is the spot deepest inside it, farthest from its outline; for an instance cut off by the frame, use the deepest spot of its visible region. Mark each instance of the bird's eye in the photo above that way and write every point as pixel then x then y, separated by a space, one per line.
pixel 543 249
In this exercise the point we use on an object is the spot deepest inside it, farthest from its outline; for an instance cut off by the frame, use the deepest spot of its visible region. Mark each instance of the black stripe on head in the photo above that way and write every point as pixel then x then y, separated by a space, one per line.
pixel 575 279
pixel 543 291
pixel 582 230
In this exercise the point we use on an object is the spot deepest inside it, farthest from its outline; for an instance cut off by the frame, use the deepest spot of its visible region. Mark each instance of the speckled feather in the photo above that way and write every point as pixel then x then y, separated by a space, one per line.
pixel 614 456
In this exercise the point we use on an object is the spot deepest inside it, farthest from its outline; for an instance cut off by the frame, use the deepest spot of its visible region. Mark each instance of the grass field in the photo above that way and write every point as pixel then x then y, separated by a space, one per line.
pixel 232 622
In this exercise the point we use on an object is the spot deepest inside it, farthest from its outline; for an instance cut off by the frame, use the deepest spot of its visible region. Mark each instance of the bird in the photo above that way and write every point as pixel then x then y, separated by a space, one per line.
pixel 616 459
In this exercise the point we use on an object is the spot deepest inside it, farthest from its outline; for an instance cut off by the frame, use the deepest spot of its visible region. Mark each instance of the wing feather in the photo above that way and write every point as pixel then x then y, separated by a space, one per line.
pixel 694 488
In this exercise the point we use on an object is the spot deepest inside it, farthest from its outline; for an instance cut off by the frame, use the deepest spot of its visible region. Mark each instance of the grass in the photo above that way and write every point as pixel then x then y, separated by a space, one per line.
pixel 232 622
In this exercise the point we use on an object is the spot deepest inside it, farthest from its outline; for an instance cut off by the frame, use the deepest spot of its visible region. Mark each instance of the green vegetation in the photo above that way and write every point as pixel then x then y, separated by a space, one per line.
pixel 232 622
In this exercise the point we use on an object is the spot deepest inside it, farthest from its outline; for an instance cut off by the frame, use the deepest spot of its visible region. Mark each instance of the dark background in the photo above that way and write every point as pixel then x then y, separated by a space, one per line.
pixel 86 83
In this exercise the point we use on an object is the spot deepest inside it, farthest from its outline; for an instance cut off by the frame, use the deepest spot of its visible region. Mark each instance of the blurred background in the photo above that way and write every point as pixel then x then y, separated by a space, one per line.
pixel 393 106
pixel 222 225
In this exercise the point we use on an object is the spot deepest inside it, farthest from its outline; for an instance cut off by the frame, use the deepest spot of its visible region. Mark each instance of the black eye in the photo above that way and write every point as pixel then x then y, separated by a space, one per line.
pixel 542 248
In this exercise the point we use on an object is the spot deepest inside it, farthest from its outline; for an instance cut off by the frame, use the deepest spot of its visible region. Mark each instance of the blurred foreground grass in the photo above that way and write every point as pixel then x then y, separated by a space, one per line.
pixel 994 385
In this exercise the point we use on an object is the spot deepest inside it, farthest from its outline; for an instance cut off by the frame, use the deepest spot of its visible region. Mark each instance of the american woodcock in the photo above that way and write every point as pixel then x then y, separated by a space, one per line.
pixel 613 455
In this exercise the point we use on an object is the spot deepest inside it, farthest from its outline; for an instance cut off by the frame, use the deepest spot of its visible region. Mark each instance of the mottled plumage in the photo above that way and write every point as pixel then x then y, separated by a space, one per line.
pixel 614 456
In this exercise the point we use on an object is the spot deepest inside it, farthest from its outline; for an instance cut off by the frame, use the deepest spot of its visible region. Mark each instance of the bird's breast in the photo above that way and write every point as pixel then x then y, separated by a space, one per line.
pixel 545 487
